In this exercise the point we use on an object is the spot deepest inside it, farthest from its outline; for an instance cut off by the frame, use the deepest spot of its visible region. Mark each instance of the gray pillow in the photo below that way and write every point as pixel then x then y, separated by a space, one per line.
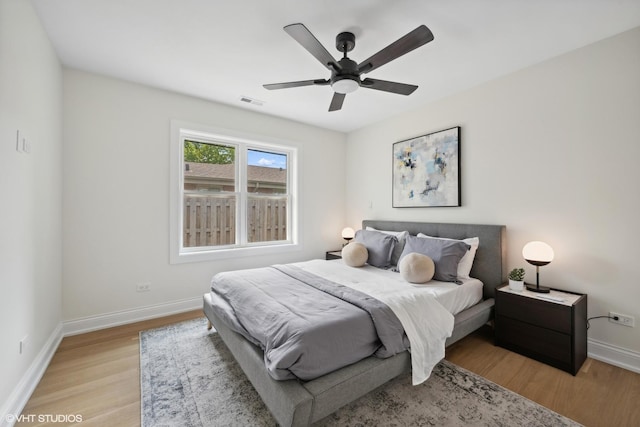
pixel 379 245
pixel 446 254
pixel 397 251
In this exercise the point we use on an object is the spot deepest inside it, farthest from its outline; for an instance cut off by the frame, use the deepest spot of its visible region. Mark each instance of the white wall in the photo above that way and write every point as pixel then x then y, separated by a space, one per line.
pixel 30 192
pixel 116 193
pixel 553 153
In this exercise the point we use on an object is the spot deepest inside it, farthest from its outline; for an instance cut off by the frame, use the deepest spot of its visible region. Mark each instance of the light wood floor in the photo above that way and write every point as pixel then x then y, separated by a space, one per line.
pixel 599 395
pixel 97 375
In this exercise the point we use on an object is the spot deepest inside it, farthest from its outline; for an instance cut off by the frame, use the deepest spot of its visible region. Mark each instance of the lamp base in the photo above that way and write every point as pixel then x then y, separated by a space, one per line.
pixel 539 289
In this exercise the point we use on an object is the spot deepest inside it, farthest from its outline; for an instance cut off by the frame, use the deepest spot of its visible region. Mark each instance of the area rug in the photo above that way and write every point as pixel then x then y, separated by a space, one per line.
pixel 188 378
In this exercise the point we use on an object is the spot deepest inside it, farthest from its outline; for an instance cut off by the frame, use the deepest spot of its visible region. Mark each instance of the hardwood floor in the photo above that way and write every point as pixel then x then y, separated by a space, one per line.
pixel 599 395
pixel 97 376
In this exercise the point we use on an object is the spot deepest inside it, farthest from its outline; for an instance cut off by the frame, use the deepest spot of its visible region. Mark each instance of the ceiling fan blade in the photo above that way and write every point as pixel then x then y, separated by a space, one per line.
pixel 416 38
pixel 399 88
pixel 319 82
pixel 336 101
pixel 303 36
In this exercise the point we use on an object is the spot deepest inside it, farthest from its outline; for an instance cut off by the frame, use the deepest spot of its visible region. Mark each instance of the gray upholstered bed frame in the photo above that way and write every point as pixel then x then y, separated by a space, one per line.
pixel 298 403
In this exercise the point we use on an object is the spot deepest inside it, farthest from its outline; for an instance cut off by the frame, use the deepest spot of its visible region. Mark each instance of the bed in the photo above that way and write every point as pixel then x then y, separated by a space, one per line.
pixel 295 402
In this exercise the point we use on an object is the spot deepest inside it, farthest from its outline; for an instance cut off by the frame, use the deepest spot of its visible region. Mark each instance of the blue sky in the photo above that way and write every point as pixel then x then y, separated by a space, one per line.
pixel 263 158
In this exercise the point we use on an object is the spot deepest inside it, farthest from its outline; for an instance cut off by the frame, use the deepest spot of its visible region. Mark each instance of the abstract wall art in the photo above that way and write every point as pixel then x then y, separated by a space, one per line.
pixel 426 170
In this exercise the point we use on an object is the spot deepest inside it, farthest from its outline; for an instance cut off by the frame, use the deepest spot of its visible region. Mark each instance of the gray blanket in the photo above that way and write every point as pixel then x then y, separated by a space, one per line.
pixel 307 326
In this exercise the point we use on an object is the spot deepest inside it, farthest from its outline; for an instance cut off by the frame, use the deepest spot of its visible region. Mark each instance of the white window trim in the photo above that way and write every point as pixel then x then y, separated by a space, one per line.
pixel 177 254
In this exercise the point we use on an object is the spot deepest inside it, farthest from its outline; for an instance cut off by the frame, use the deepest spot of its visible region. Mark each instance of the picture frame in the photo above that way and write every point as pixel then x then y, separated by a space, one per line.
pixel 426 170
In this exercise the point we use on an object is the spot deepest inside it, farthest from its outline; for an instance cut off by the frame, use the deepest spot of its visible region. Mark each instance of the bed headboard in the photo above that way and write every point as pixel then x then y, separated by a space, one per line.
pixel 489 264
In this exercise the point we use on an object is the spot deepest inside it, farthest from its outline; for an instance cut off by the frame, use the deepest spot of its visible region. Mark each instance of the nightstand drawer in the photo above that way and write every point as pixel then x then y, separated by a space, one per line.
pixel 556 317
pixel 534 341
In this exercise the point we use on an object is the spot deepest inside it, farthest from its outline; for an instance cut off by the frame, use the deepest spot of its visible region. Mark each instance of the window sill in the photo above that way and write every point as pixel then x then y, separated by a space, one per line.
pixel 218 254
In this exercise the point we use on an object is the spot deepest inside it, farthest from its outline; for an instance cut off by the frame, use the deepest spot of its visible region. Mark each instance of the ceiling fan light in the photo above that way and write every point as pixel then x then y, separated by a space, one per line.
pixel 345 85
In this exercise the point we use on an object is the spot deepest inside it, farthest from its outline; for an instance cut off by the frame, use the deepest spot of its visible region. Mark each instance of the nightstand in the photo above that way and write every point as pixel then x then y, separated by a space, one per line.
pixel 551 328
pixel 333 255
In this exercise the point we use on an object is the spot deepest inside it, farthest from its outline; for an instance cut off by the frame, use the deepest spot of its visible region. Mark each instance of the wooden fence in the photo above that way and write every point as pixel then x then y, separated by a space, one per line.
pixel 210 219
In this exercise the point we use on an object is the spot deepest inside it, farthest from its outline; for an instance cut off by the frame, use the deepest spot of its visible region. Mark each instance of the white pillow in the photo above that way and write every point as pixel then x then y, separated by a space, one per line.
pixel 397 250
pixel 417 268
pixel 465 264
pixel 355 254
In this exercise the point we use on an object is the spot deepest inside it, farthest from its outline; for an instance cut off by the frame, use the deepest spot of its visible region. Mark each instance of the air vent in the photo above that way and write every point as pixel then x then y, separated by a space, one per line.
pixel 252 101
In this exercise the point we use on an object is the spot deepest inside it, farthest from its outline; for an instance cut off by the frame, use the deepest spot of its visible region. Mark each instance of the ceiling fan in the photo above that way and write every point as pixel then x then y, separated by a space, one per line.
pixel 346 73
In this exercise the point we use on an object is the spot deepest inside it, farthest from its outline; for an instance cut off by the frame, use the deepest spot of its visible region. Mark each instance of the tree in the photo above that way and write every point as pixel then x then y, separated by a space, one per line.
pixel 200 152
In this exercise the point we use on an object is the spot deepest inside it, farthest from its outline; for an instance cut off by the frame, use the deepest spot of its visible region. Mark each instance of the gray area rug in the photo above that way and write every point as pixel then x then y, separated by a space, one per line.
pixel 188 378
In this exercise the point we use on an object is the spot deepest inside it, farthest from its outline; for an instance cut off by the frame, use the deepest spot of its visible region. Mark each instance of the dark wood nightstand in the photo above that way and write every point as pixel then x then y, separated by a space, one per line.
pixel 333 255
pixel 551 328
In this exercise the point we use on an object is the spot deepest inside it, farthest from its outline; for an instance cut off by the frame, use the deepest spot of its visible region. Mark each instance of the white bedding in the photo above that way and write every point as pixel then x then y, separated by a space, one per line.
pixel 455 298
pixel 425 311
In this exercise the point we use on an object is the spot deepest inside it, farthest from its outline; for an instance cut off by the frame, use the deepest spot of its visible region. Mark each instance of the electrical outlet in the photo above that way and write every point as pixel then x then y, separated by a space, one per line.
pixel 23 145
pixel 143 287
pixel 26 145
pixel 622 319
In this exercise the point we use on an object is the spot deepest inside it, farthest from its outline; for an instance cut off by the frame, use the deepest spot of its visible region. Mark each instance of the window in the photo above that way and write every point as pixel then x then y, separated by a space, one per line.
pixel 232 195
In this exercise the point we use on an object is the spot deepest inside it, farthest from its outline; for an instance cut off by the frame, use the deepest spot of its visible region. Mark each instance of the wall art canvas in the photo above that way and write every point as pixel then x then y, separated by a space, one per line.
pixel 426 170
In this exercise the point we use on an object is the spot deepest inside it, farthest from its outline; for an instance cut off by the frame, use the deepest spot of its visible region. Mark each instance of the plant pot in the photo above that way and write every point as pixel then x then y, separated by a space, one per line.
pixel 516 285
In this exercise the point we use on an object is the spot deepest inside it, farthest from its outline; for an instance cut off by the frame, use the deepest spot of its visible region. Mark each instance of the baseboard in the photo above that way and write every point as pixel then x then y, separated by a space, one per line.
pixel 613 355
pixel 29 381
pixel 109 320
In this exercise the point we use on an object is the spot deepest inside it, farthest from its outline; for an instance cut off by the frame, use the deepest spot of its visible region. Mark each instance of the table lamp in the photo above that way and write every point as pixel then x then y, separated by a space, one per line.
pixel 347 234
pixel 538 254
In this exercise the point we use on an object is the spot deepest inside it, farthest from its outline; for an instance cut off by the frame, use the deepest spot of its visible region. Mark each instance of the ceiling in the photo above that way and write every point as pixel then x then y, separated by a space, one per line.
pixel 224 50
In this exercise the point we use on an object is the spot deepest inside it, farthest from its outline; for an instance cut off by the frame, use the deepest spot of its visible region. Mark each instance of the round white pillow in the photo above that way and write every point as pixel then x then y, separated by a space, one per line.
pixel 417 268
pixel 355 254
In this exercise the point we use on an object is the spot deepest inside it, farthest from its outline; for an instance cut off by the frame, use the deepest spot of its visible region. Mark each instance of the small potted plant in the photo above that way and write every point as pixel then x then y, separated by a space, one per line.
pixel 516 279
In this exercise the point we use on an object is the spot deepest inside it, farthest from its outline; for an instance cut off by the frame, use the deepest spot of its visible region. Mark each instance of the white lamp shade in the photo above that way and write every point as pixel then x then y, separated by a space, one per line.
pixel 537 252
pixel 348 233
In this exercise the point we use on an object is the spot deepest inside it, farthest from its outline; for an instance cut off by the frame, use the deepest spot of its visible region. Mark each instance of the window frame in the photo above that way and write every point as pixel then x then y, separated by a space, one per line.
pixel 242 142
